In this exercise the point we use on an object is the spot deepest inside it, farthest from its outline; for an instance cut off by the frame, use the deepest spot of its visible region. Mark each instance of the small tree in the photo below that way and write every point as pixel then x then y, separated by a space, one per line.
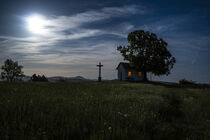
pixel 34 77
pixel 44 79
pixel 11 71
pixel 147 53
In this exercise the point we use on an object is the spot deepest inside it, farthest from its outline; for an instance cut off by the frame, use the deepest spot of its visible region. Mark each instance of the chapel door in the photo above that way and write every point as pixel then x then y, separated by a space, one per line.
pixel 120 76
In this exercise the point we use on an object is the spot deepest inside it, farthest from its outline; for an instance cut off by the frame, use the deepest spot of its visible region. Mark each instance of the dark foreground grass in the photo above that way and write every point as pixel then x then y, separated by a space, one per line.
pixel 110 110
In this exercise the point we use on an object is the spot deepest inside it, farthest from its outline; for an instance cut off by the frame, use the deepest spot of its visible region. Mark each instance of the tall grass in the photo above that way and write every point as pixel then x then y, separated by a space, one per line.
pixel 109 110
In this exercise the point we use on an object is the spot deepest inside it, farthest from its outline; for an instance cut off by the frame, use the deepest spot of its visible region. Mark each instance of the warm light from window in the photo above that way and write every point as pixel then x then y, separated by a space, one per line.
pixel 140 74
pixel 129 74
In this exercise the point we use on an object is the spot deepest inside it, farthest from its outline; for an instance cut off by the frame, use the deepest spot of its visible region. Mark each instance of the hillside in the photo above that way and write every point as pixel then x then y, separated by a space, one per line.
pixel 107 110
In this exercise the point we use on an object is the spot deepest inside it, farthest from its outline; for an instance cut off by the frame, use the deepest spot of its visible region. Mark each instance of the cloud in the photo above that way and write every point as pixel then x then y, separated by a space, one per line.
pixel 172 29
pixel 165 25
pixel 199 43
pixel 71 28
pixel 120 30
pixel 67 29
pixel 68 22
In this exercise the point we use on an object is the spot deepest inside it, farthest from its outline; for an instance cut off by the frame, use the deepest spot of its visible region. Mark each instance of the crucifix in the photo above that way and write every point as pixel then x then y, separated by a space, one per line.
pixel 99 77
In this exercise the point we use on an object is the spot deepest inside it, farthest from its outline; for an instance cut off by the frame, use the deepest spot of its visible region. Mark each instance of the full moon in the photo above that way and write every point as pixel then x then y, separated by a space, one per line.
pixel 37 24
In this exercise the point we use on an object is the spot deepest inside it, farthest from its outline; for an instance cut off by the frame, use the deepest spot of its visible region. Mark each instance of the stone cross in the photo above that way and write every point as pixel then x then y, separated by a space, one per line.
pixel 99 77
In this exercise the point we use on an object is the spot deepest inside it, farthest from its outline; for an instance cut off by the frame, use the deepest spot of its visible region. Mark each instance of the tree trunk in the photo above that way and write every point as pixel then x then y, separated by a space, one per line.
pixel 10 79
pixel 145 76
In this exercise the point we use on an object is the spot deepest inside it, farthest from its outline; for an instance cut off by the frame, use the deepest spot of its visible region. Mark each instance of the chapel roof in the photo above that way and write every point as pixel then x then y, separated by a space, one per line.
pixel 125 65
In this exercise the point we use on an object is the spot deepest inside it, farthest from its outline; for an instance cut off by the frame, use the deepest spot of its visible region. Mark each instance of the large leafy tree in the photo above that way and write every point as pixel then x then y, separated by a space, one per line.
pixel 11 70
pixel 147 53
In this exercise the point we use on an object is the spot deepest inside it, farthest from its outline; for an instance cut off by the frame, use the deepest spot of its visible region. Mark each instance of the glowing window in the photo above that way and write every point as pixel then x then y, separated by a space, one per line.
pixel 140 74
pixel 129 74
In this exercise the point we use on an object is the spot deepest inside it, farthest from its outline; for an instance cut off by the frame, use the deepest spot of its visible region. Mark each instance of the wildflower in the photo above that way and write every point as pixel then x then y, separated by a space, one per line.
pixel 120 113
pixel 15 89
pixel 125 115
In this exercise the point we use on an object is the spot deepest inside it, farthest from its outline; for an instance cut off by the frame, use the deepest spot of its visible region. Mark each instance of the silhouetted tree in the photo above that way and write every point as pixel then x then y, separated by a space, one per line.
pixel 38 78
pixel 11 70
pixel 147 53
pixel 34 77
pixel 44 79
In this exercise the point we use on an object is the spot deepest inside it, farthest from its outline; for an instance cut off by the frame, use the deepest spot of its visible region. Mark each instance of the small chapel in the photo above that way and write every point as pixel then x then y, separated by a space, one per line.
pixel 127 73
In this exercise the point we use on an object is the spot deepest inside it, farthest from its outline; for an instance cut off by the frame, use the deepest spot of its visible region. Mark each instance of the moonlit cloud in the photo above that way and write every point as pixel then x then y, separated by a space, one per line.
pixel 68 22
pixel 64 28
pixel 37 24
pixel 71 27
pixel 56 28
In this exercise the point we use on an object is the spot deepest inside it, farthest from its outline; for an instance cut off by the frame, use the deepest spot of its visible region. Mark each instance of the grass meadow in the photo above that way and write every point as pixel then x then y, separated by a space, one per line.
pixel 100 111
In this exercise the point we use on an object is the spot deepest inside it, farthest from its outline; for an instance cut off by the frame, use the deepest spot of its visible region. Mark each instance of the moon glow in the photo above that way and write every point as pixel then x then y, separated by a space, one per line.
pixel 37 24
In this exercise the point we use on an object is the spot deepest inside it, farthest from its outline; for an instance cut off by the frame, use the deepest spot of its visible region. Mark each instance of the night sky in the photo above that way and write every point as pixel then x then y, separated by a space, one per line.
pixel 69 38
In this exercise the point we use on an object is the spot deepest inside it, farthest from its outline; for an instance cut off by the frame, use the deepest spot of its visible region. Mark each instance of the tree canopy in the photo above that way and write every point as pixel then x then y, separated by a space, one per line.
pixel 11 70
pixel 147 53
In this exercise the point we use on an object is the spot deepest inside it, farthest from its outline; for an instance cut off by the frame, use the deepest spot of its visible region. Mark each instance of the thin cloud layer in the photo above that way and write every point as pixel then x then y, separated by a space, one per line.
pixel 68 22
pixel 70 28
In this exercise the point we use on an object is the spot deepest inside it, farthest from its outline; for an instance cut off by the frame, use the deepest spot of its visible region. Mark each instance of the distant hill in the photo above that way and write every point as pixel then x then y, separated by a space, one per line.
pixel 69 79
pixel 56 78
pixel 26 78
